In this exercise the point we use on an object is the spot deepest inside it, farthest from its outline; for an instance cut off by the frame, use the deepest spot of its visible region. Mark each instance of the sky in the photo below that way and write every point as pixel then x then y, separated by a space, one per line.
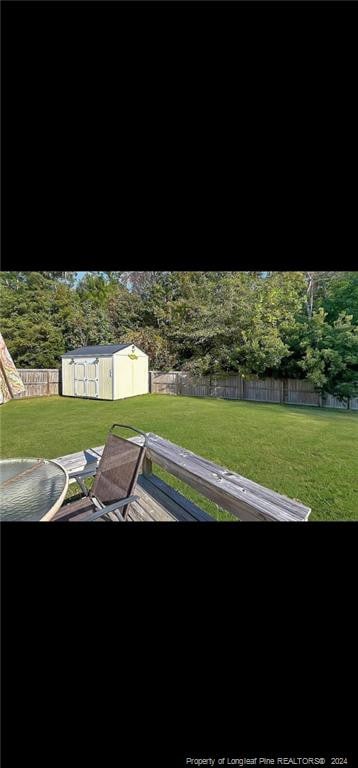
pixel 80 276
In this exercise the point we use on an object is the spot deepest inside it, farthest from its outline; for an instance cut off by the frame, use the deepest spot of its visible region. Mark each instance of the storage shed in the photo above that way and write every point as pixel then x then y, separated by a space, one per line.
pixel 105 372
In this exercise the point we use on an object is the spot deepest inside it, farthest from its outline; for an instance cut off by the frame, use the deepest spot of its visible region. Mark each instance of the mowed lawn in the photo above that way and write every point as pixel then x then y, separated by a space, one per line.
pixel 306 453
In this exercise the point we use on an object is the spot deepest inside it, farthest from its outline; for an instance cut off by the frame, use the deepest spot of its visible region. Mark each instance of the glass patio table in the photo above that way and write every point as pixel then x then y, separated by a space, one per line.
pixel 31 489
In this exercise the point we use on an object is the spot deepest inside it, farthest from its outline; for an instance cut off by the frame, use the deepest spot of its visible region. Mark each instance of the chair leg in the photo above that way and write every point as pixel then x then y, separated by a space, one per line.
pixel 82 486
pixel 114 516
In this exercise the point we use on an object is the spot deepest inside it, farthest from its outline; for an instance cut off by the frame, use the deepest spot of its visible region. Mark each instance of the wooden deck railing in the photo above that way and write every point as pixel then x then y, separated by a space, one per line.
pixel 240 496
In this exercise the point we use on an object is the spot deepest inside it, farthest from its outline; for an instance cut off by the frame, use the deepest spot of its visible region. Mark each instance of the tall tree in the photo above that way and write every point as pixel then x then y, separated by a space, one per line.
pixel 141 282
pixel 28 321
pixel 331 355
pixel 340 294
pixel 317 283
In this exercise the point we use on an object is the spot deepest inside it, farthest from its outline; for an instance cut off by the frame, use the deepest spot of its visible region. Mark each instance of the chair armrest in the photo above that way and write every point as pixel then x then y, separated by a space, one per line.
pixel 79 477
pixel 84 472
pixel 111 508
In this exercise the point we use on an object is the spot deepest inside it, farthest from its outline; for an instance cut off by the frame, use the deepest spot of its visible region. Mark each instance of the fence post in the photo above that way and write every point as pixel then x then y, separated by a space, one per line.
pixel 285 386
pixel 48 382
pixel 147 466
pixel 241 388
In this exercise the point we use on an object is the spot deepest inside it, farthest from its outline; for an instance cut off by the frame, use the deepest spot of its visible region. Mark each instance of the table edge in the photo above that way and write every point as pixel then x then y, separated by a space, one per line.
pixel 50 514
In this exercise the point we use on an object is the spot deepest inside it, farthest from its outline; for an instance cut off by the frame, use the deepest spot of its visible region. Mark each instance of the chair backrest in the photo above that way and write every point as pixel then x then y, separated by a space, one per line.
pixel 118 468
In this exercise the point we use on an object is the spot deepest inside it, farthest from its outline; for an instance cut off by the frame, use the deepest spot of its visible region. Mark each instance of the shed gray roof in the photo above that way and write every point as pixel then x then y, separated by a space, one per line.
pixel 101 349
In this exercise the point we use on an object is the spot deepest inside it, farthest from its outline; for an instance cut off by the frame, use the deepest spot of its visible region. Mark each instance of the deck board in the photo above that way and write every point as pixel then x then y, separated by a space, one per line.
pixel 145 510
pixel 181 508
pixel 148 509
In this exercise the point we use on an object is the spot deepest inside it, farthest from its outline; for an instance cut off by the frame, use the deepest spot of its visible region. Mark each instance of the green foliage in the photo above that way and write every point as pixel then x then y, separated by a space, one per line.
pixel 28 319
pixel 331 355
pixel 274 323
pixel 221 321
pixel 341 295
pixel 154 345
pixel 124 311
pixel 43 316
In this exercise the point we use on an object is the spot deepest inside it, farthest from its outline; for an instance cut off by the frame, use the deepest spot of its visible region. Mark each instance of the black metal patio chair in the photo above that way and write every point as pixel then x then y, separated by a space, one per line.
pixel 115 480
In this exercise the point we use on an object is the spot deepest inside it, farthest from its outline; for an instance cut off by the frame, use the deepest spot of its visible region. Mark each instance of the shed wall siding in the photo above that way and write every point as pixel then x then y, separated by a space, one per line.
pixel 131 376
pixel 105 378
pixel 140 376
pixel 122 376
pixel 67 378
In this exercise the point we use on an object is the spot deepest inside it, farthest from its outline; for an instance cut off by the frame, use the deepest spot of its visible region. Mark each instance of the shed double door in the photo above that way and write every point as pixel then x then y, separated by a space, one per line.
pixel 86 378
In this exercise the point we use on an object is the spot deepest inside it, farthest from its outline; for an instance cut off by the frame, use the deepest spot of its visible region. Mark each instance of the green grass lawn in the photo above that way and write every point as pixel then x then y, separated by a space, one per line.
pixel 306 453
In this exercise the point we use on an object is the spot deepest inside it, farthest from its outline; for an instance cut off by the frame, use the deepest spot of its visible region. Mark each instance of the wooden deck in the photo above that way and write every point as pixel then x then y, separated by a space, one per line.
pixel 153 508
pixel 158 501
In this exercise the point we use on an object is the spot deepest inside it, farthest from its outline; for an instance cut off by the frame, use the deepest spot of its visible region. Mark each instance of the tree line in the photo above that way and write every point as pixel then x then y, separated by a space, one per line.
pixel 284 324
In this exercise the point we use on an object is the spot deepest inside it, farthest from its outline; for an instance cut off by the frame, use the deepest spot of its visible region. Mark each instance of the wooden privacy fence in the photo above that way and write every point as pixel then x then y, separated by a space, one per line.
pixel 39 383
pixel 268 390
pixel 47 381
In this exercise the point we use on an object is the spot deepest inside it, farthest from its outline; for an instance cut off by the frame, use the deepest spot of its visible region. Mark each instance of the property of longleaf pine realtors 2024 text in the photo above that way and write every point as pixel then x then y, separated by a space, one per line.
pixel 200 762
